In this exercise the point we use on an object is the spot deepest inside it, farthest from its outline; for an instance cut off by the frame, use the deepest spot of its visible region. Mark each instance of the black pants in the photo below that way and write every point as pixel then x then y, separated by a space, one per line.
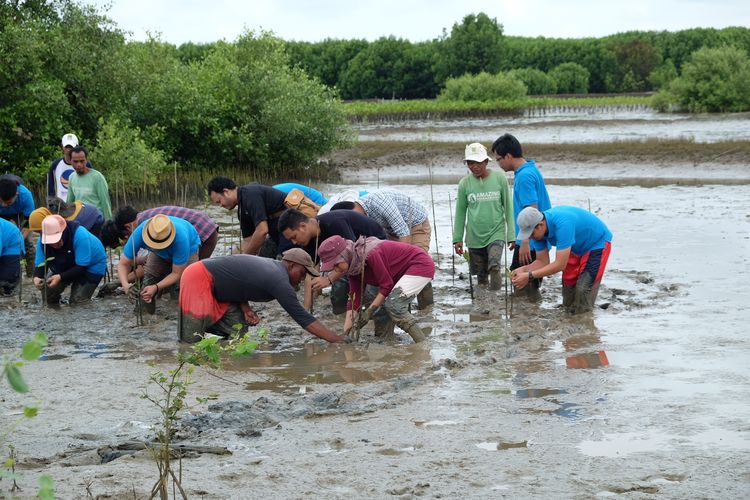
pixel 10 273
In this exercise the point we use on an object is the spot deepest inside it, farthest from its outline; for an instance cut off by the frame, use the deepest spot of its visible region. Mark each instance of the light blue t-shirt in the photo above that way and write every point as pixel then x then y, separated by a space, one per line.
pixel 11 240
pixel 574 228
pixel 23 204
pixel 311 193
pixel 88 252
pixel 529 189
pixel 185 244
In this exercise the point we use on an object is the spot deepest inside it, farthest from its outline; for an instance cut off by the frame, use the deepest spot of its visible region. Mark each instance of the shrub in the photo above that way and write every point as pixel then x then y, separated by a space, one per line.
pixel 714 80
pixel 571 78
pixel 537 81
pixel 483 87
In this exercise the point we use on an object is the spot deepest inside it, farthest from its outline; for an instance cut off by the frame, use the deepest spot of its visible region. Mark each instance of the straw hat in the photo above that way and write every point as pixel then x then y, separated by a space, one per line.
pixel 159 232
pixel 36 217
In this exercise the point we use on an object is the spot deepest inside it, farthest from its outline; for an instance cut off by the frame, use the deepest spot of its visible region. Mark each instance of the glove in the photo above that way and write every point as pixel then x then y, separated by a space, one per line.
pixel 364 317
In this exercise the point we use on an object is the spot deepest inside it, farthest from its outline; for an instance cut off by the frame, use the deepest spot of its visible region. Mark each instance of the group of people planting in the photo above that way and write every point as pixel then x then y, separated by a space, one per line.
pixel 370 248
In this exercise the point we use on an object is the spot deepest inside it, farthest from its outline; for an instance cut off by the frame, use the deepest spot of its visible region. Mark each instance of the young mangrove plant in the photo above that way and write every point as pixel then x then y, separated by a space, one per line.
pixel 171 397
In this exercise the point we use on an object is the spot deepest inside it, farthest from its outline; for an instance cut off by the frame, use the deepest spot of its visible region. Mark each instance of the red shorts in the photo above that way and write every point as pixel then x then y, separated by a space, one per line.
pixel 197 294
pixel 578 264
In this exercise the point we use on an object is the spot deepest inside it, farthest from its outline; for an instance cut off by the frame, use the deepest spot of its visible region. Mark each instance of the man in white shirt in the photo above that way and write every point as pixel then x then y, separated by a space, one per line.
pixel 60 169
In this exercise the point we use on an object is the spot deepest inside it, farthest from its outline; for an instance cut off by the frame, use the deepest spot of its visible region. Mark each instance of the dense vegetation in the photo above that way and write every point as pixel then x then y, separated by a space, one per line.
pixel 141 106
pixel 261 104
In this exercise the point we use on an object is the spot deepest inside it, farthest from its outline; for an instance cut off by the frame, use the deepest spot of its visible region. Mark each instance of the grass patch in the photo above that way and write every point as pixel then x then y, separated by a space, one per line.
pixel 391 110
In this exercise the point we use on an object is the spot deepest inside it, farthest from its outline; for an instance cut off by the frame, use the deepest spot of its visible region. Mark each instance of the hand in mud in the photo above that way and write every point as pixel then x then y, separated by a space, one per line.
pixel 251 317
pixel 54 280
pixel 38 283
pixel 363 318
pixel 352 334
pixel 458 248
pixel 132 292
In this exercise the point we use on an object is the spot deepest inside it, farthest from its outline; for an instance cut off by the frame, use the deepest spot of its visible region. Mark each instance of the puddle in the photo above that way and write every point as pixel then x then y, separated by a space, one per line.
pixel 495 446
pixel 587 360
pixel 537 393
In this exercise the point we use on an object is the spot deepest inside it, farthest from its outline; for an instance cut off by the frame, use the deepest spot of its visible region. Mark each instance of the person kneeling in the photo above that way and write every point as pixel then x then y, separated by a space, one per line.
pixel 214 293
pixel 67 254
pixel 399 271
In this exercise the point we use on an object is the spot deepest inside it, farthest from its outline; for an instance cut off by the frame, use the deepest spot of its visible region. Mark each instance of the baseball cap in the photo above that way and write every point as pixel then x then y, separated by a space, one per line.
pixel 299 256
pixel 475 152
pixel 330 252
pixel 69 140
pixel 159 232
pixel 52 229
pixel 528 218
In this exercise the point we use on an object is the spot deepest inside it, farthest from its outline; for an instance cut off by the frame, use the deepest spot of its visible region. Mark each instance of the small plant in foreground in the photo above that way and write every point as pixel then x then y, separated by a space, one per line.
pixel 173 386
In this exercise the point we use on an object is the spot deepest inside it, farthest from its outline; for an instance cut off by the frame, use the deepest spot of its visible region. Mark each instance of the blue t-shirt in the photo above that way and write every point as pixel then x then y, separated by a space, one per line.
pixel 311 193
pixel 11 240
pixel 185 244
pixel 23 204
pixel 529 189
pixel 88 252
pixel 574 228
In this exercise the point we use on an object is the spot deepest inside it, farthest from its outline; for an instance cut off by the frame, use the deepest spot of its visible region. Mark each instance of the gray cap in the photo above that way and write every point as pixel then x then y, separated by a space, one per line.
pixel 528 218
pixel 299 256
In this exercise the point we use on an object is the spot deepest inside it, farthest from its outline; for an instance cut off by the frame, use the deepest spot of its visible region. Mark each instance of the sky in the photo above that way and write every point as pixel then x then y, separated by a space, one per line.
pixel 204 21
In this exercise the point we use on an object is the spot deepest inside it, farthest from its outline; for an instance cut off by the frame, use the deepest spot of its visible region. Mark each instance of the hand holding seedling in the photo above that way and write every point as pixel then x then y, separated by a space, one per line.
pixel 54 280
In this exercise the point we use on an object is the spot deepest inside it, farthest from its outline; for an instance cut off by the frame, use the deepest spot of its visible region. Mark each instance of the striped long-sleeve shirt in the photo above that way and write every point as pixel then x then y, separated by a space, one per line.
pixel 199 220
pixel 393 210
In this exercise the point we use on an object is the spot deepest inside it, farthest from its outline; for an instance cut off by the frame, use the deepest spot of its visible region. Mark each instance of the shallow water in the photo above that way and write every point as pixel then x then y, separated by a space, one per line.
pixel 578 126
pixel 650 395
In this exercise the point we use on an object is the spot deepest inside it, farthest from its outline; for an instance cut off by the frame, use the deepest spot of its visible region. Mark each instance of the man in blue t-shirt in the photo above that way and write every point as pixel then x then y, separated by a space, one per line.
pixel 583 244
pixel 67 254
pixel 11 249
pixel 529 190
pixel 311 193
pixel 173 244
pixel 16 205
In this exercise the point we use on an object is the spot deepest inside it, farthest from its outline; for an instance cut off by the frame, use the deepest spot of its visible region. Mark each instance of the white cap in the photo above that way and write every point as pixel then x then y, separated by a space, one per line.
pixel 69 140
pixel 475 152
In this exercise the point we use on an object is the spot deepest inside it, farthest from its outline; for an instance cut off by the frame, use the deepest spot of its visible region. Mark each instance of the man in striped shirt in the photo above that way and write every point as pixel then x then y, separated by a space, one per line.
pixel 403 219
pixel 127 219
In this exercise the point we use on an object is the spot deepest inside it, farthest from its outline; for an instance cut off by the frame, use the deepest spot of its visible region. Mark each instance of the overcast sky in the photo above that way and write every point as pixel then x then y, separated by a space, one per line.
pixel 417 20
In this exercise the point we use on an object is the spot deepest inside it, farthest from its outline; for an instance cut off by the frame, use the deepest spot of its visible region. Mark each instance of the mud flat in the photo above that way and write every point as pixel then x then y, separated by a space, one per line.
pixel 649 395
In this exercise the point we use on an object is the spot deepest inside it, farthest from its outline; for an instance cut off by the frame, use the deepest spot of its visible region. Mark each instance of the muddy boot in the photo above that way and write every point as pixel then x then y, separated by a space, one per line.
pixel 384 328
pixel 30 256
pixel 568 296
pixel 479 267
pixel 496 279
pixel 190 328
pixel 425 297
pixel 412 328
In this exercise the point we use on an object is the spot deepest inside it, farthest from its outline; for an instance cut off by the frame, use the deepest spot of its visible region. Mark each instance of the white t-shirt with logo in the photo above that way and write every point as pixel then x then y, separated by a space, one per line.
pixel 62 175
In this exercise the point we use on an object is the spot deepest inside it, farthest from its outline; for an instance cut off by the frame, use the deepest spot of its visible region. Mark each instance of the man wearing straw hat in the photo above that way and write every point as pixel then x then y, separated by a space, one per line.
pixel 484 208
pixel 173 243
pixel 11 250
pixel 215 293
pixel 67 254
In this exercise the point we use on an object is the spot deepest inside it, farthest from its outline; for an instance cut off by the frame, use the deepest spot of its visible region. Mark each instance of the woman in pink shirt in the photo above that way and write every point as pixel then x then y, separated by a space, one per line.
pixel 398 270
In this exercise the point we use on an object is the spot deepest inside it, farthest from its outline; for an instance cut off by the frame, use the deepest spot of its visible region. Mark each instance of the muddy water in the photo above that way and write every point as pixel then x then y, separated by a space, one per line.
pixel 577 126
pixel 648 396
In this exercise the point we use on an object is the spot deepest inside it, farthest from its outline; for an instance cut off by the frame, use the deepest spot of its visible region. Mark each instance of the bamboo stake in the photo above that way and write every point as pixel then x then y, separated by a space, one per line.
pixel 434 218
pixel 453 253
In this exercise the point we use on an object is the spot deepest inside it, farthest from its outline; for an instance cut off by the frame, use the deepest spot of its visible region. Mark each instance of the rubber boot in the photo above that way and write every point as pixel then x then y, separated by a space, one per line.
pixel 412 328
pixel 425 297
pixel 496 279
pixel 384 328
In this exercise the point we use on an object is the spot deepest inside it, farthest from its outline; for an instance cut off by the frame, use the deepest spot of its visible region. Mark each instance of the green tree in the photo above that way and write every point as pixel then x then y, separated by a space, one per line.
pixel 663 75
pixel 636 60
pixel 537 81
pixel 474 45
pixel 571 78
pixel 715 79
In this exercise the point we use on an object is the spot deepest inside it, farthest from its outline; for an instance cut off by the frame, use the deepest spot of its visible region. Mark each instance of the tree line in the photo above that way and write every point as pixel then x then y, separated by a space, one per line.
pixel 268 105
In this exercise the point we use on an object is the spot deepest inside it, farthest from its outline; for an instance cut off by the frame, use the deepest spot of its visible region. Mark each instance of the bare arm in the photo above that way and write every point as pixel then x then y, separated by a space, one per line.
pixel 149 292
pixel 251 245
pixel 321 331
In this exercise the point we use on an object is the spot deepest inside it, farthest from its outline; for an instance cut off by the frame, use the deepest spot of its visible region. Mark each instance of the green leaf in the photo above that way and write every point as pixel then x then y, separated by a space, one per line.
pixel 30 411
pixel 46 488
pixel 31 350
pixel 41 338
pixel 15 379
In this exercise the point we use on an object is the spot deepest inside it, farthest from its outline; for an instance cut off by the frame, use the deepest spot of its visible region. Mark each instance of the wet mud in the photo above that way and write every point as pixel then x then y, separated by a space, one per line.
pixel 648 395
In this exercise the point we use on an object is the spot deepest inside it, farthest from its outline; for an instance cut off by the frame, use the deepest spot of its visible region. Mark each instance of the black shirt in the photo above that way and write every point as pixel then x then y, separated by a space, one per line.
pixel 257 203
pixel 249 278
pixel 348 224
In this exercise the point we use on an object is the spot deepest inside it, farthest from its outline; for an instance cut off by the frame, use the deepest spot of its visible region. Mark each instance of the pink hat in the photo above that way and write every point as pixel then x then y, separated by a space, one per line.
pixel 52 229
pixel 330 252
